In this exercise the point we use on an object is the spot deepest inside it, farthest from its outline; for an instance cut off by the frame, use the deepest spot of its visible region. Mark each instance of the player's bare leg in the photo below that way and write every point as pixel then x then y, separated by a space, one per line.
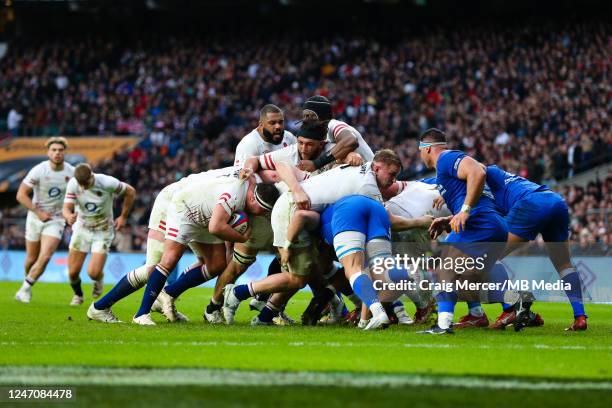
pixel 211 263
pixel 75 264
pixel 243 256
pixel 43 250
pixel 32 251
pixel 95 270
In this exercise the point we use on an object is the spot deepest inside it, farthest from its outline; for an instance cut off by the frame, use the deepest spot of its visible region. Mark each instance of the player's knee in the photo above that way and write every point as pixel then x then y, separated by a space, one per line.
pixel 297 282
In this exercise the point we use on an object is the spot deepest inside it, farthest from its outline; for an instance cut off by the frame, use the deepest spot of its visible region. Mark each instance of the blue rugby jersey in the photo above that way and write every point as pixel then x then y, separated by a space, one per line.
pixel 508 188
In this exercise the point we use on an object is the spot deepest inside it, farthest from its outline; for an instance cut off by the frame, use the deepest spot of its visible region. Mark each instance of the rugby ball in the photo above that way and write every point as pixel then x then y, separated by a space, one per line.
pixel 239 221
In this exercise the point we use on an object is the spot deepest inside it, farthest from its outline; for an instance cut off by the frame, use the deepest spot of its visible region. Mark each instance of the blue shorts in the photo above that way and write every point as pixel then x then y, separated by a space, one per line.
pixel 355 213
pixel 538 212
pixel 485 233
pixel 486 227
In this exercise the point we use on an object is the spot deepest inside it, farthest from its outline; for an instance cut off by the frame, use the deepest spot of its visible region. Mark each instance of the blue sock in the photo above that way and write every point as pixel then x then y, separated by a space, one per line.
pixel 190 278
pixel 154 285
pixel 499 274
pixel 363 287
pixel 242 292
pixel 122 289
pixel 267 313
pixel 575 293
pixel 398 275
pixel 397 303
pixel 446 302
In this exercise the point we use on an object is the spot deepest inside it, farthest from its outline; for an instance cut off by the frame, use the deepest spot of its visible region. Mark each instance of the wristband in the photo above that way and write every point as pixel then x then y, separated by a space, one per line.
pixel 466 208
pixel 323 160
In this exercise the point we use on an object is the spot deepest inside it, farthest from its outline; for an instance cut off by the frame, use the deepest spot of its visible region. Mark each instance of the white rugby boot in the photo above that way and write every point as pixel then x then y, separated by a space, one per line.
pixel 76 300
pixel 104 315
pixel 230 304
pixel 24 294
pixel 214 318
pixel 143 320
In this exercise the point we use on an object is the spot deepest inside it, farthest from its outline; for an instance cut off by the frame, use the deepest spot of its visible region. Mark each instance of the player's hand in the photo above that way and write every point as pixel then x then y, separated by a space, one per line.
pixel 438 226
pixel 438 203
pixel 245 173
pixel 43 215
pixel 457 224
pixel 71 218
pixel 301 199
pixel 426 220
pixel 119 222
pixel 353 159
pixel 247 234
pixel 285 254
pixel 307 165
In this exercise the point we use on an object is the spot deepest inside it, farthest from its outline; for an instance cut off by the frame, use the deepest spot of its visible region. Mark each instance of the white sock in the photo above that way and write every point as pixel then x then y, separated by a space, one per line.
pixel 377 309
pixel 445 319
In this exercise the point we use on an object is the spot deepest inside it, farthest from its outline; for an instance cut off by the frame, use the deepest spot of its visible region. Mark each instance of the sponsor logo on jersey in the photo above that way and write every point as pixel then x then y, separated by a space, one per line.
pixel 54 192
pixel 91 207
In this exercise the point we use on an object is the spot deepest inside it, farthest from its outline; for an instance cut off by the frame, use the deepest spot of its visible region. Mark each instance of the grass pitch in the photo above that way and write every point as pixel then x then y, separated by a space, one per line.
pixel 50 343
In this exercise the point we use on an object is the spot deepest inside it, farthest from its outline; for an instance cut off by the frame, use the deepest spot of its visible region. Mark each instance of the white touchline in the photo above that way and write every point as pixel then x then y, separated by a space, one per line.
pixel 331 344
pixel 76 375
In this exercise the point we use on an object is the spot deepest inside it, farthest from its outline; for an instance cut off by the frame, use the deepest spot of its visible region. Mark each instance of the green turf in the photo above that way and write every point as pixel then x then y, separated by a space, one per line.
pixel 48 332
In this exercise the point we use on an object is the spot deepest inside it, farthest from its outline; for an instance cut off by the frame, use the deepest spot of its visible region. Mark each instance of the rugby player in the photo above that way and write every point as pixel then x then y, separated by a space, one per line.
pixel 310 145
pixel 533 209
pixel 476 219
pixel 317 193
pixel 47 182
pixel 346 139
pixel 93 227
pixel 199 214
pixel 137 278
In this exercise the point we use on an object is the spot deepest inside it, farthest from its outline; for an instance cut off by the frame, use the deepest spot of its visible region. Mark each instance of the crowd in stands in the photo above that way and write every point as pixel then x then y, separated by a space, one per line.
pixel 534 99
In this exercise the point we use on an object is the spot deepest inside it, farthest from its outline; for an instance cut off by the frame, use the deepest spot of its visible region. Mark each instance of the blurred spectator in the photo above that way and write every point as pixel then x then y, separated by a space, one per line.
pixel 13 120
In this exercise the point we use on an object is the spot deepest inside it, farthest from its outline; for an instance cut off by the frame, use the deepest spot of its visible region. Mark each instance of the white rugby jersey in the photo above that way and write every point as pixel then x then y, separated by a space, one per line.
pixel 197 200
pixel 289 154
pixel 253 145
pixel 95 204
pixel 49 186
pixel 334 128
pixel 328 187
pixel 416 200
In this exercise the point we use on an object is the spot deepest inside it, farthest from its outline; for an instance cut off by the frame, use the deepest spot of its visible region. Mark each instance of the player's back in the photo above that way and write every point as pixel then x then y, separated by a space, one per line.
pixel 508 188
pixel 198 199
pixel 332 185
pixel 416 200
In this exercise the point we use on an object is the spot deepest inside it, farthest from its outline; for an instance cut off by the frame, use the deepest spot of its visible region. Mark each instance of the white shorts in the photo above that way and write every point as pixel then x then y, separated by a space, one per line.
pixel 159 212
pixel 180 229
pixel 155 250
pixel 281 218
pixel 85 240
pixel 261 233
pixel 35 227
